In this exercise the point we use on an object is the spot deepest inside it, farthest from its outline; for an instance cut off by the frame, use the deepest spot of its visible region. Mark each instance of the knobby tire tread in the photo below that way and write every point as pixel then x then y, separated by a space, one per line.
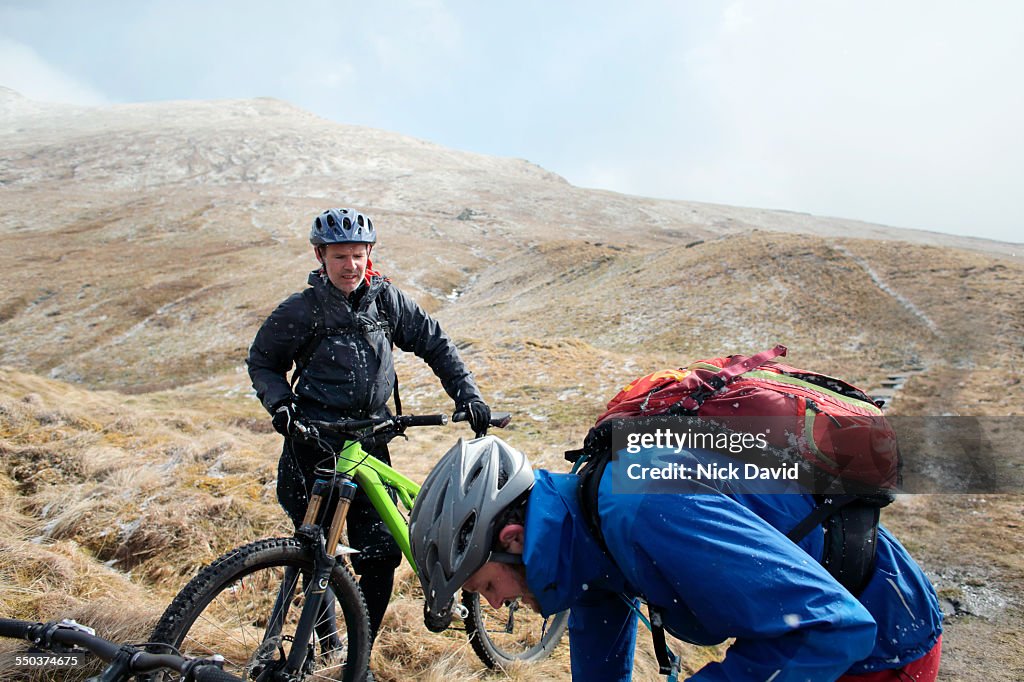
pixel 209 582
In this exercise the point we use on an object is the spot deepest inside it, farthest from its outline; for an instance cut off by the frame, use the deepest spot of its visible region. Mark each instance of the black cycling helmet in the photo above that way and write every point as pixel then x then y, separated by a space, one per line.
pixel 451 527
pixel 342 226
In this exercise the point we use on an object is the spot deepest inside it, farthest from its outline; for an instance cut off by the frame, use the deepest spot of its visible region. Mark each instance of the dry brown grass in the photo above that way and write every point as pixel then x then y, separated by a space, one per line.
pixel 156 493
pixel 112 489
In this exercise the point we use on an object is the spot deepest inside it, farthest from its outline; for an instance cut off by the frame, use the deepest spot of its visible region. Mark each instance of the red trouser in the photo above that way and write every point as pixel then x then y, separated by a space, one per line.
pixel 924 669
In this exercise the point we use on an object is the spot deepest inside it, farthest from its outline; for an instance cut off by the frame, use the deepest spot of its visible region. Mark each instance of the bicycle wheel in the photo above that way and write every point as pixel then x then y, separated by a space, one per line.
pixel 245 607
pixel 512 633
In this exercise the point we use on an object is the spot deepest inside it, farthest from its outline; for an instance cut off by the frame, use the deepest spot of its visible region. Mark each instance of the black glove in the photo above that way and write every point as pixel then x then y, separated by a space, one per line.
pixel 478 414
pixel 284 417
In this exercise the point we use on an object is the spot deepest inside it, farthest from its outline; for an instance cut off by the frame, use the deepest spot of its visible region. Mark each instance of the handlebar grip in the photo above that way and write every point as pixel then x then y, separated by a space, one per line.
pixel 424 419
pixel 15 629
pixel 498 419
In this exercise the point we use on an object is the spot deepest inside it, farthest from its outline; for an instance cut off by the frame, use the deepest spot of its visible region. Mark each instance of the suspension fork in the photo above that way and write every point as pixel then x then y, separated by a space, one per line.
pixel 346 489
pixel 318 585
pixel 287 589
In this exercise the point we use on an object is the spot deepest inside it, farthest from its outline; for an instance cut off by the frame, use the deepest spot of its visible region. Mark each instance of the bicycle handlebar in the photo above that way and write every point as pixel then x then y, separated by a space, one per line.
pixel 51 636
pixel 398 423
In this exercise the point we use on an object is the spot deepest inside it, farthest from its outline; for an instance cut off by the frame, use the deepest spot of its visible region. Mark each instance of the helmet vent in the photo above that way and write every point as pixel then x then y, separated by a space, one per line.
pixel 439 502
pixel 465 533
pixel 431 559
pixel 505 470
pixel 471 479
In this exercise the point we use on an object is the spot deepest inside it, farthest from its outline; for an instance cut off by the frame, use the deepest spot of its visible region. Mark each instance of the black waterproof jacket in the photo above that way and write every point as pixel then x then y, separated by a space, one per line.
pixel 351 371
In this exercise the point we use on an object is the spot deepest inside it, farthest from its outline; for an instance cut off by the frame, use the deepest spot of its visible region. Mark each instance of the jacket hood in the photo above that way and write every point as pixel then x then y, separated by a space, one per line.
pixel 563 560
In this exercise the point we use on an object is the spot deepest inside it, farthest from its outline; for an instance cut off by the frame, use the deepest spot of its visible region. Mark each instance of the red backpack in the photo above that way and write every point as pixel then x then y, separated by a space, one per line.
pixel 835 428
pixel 834 425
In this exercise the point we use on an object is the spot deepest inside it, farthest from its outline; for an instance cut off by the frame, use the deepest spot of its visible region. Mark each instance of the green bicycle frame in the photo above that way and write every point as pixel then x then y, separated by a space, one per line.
pixel 375 478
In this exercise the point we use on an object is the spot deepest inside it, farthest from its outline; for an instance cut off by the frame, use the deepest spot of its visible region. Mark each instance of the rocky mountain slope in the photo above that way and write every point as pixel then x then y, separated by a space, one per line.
pixel 141 246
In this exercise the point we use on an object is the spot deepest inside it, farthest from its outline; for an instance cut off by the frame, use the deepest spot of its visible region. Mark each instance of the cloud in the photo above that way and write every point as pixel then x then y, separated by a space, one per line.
pixel 23 70
pixel 900 113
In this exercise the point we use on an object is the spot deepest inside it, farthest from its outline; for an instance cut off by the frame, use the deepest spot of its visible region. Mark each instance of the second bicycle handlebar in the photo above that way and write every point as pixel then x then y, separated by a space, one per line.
pixel 126 660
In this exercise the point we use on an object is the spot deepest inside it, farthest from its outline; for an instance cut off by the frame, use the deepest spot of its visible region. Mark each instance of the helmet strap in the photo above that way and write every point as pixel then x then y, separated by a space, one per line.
pixel 506 558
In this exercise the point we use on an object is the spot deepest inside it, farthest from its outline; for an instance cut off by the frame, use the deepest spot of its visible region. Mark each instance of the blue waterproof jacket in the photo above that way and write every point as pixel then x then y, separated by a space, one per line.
pixel 718 565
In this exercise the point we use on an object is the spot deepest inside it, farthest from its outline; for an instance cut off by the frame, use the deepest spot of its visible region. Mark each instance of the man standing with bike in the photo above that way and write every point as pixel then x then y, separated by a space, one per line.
pixel 339 335
pixel 712 562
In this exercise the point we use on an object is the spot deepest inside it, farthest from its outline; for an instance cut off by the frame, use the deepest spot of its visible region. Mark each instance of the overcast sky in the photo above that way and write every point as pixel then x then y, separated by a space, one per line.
pixel 901 112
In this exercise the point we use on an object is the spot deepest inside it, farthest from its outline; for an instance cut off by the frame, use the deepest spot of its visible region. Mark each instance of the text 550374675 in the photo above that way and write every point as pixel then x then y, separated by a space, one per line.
pixel 48 660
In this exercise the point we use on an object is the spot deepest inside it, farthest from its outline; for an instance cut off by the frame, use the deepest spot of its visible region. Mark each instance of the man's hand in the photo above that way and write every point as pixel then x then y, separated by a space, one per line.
pixel 284 418
pixel 478 414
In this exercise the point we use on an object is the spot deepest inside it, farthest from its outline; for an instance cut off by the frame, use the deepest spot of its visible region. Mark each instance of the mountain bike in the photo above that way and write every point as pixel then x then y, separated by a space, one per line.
pixel 269 607
pixel 55 646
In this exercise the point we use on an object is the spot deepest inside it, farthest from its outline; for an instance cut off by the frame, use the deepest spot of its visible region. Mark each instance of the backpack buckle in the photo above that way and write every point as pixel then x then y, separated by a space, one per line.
pixel 691 403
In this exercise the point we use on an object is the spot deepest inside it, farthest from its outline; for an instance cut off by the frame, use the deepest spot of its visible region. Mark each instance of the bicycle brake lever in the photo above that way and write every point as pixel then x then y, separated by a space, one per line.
pixel 72 625
pixel 393 426
pixel 307 430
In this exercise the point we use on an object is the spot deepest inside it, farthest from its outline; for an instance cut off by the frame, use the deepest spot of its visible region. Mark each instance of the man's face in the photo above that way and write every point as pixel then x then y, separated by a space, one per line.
pixel 501 583
pixel 346 265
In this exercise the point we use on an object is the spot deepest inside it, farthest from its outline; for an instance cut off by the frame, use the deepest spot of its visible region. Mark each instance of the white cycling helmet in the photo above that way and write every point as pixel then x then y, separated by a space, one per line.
pixel 451 528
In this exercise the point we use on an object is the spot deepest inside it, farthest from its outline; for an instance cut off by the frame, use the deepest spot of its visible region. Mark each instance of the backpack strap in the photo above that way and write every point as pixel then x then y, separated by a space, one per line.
pixel 826 507
pixel 389 331
pixel 668 662
pixel 322 331
pixel 305 352
pixel 850 523
pixel 590 464
pixel 740 364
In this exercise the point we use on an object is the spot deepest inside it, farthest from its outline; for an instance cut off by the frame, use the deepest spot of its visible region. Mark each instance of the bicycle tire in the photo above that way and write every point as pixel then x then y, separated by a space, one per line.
pixel 226 609
pixel 501 637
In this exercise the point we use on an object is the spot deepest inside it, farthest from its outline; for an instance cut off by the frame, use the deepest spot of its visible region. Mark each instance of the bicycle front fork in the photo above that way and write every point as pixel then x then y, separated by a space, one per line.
pixel 318 613
pixel 345 488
